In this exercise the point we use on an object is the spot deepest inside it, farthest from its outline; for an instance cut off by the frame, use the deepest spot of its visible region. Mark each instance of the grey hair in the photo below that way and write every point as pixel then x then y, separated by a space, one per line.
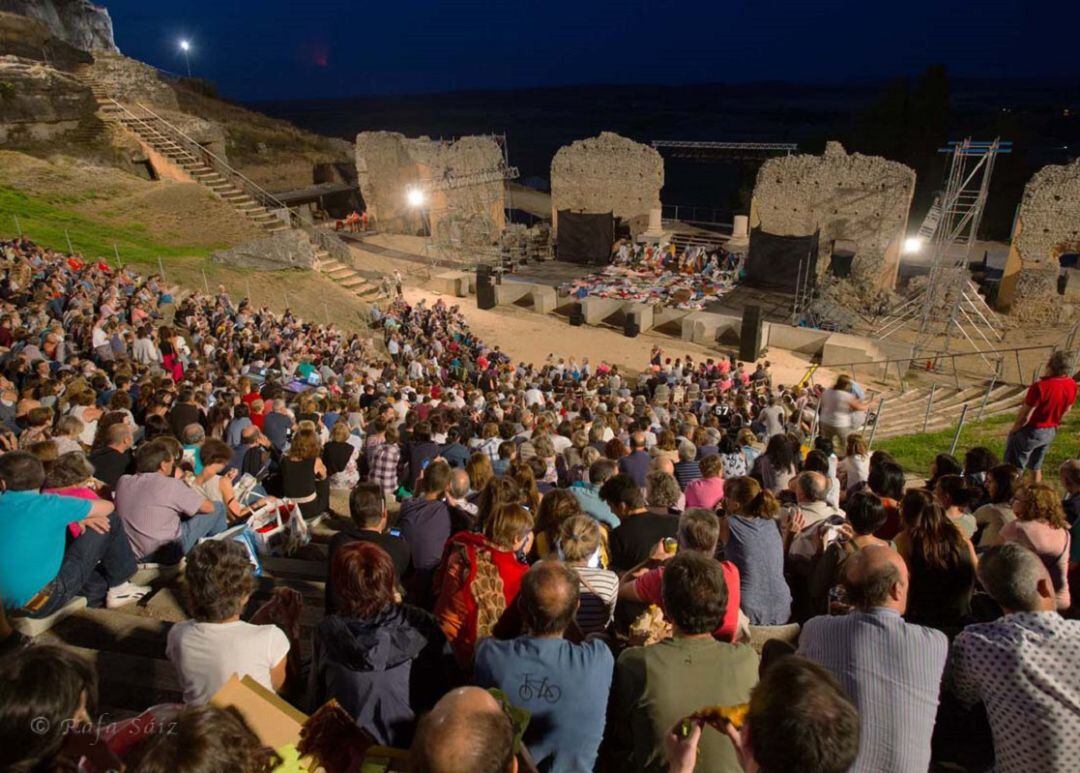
pixel 459 482
pixel 194 434
pixel 687 451
pixel 1011 573
pixel 663 490
pixel 813 486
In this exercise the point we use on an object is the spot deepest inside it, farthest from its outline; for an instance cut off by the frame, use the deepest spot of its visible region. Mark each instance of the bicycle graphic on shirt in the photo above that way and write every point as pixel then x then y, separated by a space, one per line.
pixel 539 689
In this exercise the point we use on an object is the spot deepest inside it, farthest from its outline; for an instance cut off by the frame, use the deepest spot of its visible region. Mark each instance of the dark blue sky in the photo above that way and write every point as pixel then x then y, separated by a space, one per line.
pixel 276 49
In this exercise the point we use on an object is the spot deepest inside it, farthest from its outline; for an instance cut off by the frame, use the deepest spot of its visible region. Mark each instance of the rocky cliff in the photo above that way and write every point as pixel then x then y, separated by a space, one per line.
pixel 78 22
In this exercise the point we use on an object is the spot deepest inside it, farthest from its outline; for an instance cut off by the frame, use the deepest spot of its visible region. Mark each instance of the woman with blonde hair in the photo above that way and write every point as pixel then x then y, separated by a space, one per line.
pixel 1041 527
pixel 521 471
pixel 580 546
pixel 665 446
pixel 340 457
pixel 556 506
pixel 480 577
pixel 750 533
pixel 480 471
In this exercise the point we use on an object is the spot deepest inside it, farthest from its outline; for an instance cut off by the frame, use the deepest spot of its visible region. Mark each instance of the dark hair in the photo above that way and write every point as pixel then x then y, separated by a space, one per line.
pixel 779 453
pixel 363 578
pixel 214 451
pixel 694 593
pixel 436 477
pixel 21 471
pixel 218 580
pixel 979 459
pixel 548 599
pixel 366 504
pixel 556 506
pixel 865 512
pixel 622 489
pixel 699 529
pixel 886 480
pixel 43 682
pixel 1005 478
pixel 824 445
pixel 816 461
pixel 67 470
pixel 499 491
pixel 957 490
pixel 1058 364
pixel 203 738
pixel 729 444
pixel 935 541
pixel 601 471
pixel 945 464
pixel 150 456
pixel 800 719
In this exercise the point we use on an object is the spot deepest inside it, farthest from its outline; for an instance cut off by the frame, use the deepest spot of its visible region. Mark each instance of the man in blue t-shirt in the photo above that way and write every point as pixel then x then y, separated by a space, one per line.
pixel 38 574
pixel 564 685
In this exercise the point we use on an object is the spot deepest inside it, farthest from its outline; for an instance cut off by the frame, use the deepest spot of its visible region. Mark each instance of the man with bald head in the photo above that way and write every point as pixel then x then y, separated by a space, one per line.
pixel 465 732
pixel 636 463
pixel 889 668
pixel 564 685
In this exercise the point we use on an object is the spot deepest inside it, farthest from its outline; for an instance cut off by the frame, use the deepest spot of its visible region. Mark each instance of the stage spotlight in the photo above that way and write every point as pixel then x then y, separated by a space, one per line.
pixel 913 244
pixel 185 45
pixel 415 197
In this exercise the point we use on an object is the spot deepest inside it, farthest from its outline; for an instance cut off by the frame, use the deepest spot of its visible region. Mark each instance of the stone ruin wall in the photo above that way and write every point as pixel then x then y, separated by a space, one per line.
pixel 849 197
pixel 388 164
pixel 608 173
pixel 1047 225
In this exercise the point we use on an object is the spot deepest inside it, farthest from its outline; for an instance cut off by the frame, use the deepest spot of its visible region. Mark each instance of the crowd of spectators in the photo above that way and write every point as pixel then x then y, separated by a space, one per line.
pixel 610 552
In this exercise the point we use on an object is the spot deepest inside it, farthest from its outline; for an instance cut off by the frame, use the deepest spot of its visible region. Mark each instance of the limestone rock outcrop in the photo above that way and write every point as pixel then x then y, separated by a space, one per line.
pixel 285 249
pixel 80 23
pixel 39 104
pixel 607 173
pixel 860 200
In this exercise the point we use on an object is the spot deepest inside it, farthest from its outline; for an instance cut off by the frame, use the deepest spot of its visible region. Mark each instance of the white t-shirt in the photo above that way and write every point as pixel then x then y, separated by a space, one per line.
pixel 206 655
pixel 836 408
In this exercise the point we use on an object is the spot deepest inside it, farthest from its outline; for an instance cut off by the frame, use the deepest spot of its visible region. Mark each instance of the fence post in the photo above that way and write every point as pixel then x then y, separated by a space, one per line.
pixel 71 249
pixel 18 225
pixel 161 268
pixel 205 282
pixel 989 389
pixel 929 405
pixel 959 429
pixel 248 283
pixel 116 251
pixel 877 420
pixel 1019 367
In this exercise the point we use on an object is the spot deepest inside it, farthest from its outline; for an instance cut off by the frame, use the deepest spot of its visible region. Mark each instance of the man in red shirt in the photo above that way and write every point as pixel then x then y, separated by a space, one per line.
pixel 1047 402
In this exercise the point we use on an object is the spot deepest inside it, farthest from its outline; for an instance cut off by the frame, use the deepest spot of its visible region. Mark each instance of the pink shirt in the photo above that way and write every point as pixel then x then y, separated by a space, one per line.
pixel 705 492
pixel 1049 544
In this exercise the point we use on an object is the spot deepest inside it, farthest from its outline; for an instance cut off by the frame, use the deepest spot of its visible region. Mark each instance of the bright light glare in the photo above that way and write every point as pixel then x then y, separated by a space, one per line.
pixel 185 45
pixel 415 197
pixel 912 244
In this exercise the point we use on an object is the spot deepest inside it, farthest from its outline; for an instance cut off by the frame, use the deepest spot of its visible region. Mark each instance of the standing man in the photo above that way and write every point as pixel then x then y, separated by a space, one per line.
pixel 1046 403
pixel 891 669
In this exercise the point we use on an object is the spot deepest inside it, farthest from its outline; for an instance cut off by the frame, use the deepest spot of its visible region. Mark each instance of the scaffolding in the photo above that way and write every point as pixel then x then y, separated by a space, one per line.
pixel 950 304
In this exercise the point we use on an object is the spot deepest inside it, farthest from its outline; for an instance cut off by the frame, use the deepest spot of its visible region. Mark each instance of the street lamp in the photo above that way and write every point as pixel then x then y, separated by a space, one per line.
pixel 185 46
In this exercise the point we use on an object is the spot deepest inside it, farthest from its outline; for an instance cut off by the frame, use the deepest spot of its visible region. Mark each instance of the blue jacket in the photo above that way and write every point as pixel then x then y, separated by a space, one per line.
pixel 588 496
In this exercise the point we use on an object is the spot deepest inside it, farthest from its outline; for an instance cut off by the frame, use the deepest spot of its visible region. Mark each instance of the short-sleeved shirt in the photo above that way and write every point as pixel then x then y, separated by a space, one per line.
pixel 649 588
pixel 206 655
pixel 1051 397
pixel 151 505
pixel 33 529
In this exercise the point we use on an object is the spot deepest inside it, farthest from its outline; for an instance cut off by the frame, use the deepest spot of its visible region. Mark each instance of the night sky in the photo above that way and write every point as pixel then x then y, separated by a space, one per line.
pixel 280 49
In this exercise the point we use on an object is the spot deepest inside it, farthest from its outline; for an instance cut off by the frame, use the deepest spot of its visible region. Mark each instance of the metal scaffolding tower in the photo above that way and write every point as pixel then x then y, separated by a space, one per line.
pixel 950 303
pixel 724 151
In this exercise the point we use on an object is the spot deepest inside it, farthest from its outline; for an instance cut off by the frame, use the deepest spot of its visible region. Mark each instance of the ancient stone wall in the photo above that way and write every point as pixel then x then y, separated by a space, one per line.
pixel 388 164
pixel 848 197
pixel 78 22
pixel 131 81
pixel 1047 226
pixel 608 173
pixel 39 104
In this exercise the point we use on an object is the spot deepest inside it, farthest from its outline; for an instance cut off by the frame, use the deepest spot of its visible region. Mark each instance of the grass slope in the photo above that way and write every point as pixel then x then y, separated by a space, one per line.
pixel 916 452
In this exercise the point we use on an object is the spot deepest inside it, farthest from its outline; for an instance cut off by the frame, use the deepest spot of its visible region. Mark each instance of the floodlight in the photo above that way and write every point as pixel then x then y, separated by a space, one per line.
pixel 185 45
pixel 913 244
pixel 415 197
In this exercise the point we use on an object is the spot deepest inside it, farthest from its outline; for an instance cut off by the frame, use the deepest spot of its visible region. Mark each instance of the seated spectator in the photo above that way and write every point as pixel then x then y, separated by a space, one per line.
pixel 708 490
pixel 71 476
pixel 252 456
pixel 580 547
pixel 865 515
pixel 241 420
pixel 367 507
pixel 66 437
pixel 889 668
pixel 799 719
pixel 752 542
pixel 941 561
pixel 775 468
pixel 341 458
pixel 556 507
pixel 564 686
pixel 385 460
pixel 886 480
pixel 733 460
pixel 1000 485
pixel 425 518
pixel 479 578
pixel 419 452
pixel 956 496
pixel 636 463
pixel 699 532
pixel 163 517
pixel 203 738
pixel 588 494
pixel 1021 667
pixel 1041 527
pixel 41 570
pixel 301 472
pixel 380 659
pixel 639 531
pixel 656 686
pixel 663 495
pixel 114 459
pixel 454 452
pixel 854 468
pixel 687 468
pixel 215 643
pixel 192 439
pixel 216 485
pixel 466 732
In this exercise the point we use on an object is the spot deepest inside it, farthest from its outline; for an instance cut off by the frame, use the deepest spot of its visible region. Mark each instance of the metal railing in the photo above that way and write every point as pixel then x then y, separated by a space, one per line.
pixel 702 215
pixel 154 122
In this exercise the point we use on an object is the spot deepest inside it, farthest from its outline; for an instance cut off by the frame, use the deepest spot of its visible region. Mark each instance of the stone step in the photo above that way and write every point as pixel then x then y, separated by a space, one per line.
pixel 339 272
pixel 353 280
pixel 329 266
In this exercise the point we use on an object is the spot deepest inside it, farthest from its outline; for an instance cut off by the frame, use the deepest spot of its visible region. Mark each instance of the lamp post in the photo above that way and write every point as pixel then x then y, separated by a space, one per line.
pixel 185 46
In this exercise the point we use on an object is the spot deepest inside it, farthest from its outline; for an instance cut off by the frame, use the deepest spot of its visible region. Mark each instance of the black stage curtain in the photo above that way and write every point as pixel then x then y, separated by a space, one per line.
pixel 774 261
pixel 586 238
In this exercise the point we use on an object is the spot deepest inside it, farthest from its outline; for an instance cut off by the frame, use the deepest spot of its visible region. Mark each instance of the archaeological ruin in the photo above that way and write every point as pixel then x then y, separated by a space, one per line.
pixel 607 173
pixel 855 201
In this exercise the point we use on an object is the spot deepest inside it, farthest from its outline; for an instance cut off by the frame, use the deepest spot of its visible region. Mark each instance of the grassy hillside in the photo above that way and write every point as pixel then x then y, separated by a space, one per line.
pixel 916 452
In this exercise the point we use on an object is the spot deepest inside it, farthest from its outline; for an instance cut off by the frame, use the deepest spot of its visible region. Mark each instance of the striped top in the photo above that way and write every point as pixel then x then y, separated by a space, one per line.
pixel 891 670
pixel 599 589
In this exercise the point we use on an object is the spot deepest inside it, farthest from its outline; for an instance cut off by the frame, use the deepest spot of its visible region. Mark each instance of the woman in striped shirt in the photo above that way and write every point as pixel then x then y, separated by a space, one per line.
pixel 579 546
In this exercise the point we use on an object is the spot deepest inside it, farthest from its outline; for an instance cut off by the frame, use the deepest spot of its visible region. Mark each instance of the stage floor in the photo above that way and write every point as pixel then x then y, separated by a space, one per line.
pixel 775 306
